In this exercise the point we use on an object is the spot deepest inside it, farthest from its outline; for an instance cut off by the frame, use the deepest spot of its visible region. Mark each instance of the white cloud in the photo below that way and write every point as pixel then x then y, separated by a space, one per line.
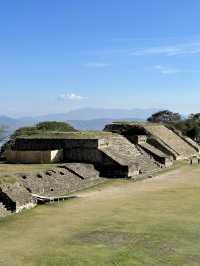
pixel 166 70
pixel 72 97
pixel 96 65
pixel 179 49
pixel 169 70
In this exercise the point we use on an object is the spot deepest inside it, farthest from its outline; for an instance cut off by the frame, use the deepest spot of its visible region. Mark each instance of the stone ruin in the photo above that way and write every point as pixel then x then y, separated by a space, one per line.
pixel 122 150
pixel 157 139
pixel 14 198
pixel 58 181
pixel 113 155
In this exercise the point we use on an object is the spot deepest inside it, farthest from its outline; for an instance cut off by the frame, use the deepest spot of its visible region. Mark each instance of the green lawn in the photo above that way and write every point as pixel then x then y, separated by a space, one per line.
pixel 153 222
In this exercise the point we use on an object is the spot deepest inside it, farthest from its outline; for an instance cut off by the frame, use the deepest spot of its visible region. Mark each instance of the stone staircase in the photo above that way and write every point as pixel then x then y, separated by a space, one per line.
pixel 83 170
pixel 146 164
pixel 170 138
pixel 130 157
pixel 121 150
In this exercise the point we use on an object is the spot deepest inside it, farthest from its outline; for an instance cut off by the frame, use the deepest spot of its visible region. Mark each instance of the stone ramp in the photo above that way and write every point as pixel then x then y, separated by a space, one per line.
pixel 162 158
pixel 83 170
pixel 171 139
pixel 151 149
pixel 129 155
pixel 191 142
pixel 121 150
pixel 145 164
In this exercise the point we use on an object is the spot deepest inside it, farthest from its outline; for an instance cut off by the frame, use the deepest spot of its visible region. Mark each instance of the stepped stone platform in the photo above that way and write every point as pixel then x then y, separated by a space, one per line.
pixel 159 137
pixel 122 150
pixel 111 154
pixel 61 180
pixel 58 181
pixel 157 154
pixel 14 197
pixel 128 155
pixel 171 139
pixel 87 159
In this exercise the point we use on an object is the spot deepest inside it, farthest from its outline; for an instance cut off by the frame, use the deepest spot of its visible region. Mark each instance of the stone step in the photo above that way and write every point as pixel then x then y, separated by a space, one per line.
pixel 171 139
pixel 3 210
pixel 83 170
pixel 121 150
pixel 129 155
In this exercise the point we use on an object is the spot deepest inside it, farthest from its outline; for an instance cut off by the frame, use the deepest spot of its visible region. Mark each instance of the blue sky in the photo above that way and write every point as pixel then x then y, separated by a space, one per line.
pixel 61 55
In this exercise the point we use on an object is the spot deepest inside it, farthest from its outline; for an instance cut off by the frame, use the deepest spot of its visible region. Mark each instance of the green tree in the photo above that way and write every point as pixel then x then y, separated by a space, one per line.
pixel 40 128
pixel 49 126
pixel 25 131
pixel 55 126
pixel 194 117
pixel 164 116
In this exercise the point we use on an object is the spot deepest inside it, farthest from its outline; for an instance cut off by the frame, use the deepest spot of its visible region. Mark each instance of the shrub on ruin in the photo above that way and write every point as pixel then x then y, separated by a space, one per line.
pixel 164 116
pixel 55 126
pixel 25 131
pixel 40 128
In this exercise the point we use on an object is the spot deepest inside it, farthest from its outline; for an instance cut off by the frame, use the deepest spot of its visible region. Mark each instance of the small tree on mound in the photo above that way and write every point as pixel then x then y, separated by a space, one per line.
pixel 24 131
pixel 164 116
pixel 40 128
pixel 55 126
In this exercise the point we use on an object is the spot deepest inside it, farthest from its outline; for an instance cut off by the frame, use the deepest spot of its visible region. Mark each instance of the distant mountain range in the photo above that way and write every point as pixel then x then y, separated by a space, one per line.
pixel 82 119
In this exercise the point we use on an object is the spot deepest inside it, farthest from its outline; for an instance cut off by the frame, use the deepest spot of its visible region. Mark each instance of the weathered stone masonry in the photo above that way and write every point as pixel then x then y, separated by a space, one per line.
pixel 124 150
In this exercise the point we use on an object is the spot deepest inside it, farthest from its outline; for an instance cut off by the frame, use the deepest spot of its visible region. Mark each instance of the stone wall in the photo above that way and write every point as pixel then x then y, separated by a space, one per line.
pixel 55 182
pixel 61 180
pixel 157 154
pixel 35 144
pixel 33 156
pixel 158 144
pixel 15 197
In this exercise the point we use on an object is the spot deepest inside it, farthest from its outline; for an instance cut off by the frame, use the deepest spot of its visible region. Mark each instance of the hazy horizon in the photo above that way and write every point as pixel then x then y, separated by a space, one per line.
pixel 89 110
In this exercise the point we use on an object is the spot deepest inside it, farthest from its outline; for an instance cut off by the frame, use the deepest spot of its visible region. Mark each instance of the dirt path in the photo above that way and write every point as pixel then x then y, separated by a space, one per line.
pixel 171 178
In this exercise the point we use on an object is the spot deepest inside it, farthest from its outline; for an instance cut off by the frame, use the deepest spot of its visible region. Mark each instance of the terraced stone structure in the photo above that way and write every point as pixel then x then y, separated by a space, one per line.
pixel 55 182
pixel 157 140
pixel 112 154
pixel 14 197
pixel 61 180
pixel 88 158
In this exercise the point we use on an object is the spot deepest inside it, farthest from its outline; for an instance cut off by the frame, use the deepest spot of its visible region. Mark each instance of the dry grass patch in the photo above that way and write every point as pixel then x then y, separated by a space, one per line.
pixel 153 222
pixel 8 168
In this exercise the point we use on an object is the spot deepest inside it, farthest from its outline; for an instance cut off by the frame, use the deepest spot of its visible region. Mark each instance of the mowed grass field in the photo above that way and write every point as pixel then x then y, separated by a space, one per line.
pixel 152 222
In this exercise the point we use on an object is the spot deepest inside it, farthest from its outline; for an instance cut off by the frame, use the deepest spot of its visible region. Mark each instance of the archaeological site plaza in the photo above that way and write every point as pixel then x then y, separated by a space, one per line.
pixel 84 159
